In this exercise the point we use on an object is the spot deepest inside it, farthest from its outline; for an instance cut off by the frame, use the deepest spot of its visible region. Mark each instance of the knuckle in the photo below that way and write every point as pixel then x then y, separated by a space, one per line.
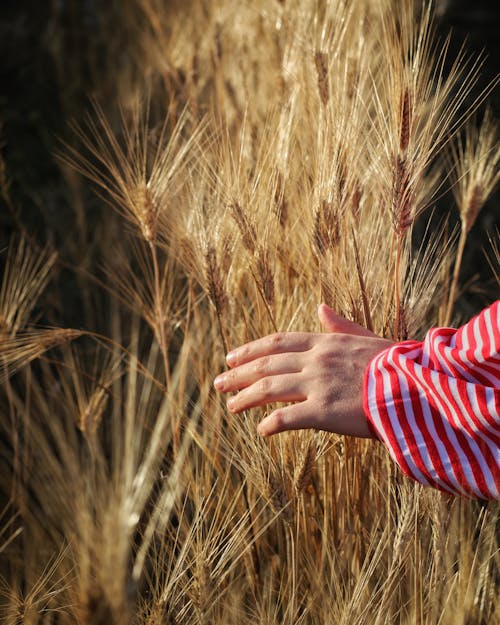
pixel 323 356
pixel 329 350
pixel 261 365
pixel 264 386
pixel 276 339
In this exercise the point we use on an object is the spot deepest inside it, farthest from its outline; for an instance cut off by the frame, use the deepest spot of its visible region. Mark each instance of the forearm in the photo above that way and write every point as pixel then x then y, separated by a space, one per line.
pixel 435 405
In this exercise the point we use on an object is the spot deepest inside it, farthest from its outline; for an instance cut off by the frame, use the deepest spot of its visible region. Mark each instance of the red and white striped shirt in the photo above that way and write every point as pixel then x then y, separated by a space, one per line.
pixel 436 406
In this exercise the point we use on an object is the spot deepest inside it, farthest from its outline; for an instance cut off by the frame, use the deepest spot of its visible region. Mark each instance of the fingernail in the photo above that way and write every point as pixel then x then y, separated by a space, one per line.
pixel 219 382
pixel 231 358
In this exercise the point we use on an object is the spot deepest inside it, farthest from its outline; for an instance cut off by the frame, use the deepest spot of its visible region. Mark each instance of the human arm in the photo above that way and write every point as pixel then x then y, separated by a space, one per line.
pixel 434 404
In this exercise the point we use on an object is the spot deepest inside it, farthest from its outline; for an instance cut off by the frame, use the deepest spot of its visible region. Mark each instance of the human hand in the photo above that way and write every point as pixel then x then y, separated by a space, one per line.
pixel 322 373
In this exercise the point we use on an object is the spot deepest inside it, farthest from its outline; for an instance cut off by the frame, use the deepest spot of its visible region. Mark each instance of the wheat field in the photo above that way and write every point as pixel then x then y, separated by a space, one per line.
pixel 254 160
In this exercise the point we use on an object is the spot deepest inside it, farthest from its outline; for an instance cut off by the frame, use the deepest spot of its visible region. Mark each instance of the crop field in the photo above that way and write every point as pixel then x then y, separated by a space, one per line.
pixel 235 165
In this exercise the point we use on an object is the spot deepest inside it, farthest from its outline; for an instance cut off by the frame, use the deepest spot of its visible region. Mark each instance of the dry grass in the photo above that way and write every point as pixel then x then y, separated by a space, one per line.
pixel 476 167
pixel 295 149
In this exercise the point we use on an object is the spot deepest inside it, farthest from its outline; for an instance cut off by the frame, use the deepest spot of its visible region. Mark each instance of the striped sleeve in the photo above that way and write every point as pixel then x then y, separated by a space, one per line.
pixel 436 406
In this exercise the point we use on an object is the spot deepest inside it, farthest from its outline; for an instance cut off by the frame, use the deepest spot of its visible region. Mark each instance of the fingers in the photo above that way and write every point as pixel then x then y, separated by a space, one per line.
pixel 278 343
pixel 246 374
pixel 296 417
pixel 280 388
pixel 332 322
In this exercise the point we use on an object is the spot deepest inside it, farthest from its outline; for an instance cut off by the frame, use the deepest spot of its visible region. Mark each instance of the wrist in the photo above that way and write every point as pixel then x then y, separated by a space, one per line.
pixel 368 382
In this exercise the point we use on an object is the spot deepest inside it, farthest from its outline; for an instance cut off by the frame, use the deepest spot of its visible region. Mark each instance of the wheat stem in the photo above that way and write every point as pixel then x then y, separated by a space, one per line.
pixel 159 312
pixel 456 272
pixel 397 294
pixel 260 291
pixel 362 285
pixel 387 288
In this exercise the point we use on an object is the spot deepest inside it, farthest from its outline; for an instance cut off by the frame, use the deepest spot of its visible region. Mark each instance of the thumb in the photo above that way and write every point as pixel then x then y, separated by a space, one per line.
pixel 332 322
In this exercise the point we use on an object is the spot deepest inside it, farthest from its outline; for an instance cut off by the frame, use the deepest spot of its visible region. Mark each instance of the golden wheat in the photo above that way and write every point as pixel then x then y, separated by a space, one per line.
pixel 284 155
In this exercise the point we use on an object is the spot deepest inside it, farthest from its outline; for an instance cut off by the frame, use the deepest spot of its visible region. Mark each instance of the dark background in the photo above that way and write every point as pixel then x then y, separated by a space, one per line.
pixel 54 55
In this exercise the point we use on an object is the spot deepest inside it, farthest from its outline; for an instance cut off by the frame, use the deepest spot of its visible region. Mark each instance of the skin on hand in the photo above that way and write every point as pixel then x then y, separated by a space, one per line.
pixel 321 373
